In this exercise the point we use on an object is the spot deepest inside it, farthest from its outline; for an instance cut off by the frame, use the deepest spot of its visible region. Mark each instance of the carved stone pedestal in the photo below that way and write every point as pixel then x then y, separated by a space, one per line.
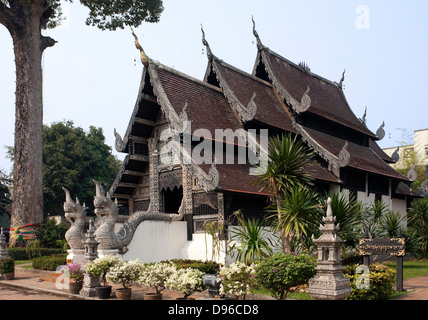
pixel 329 283
pixel 4 246
pixel 89 285
pixel 76 256
pixel 90 282
pixel 112 252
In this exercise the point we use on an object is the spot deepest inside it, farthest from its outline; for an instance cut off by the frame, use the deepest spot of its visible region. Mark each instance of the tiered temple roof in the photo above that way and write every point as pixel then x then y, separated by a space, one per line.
pixel 279 95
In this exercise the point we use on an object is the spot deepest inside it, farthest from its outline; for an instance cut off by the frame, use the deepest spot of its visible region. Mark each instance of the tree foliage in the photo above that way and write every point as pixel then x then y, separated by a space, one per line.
pixel 72 159
pixel 25 20
pixel 5 199
pixel 288 159
pixel 104 14
pixel 418 228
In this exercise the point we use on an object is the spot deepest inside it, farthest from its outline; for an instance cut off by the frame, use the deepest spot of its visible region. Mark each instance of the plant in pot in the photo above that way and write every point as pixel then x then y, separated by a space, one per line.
pixel 155 275
pixel 237 280
pixel 125 273
pixel 186 280
pixel 99 268
pixel 74 274
pixel 7 268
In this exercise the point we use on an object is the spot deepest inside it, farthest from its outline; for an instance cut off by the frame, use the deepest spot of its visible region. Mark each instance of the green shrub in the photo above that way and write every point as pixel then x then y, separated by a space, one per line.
pixel 19 253
pixel 50 263
pixel 282 274
pixel 33 249
pixel 208 267
pixel 352 259
pixel 7 265
pixel 380 285
pixel 50 232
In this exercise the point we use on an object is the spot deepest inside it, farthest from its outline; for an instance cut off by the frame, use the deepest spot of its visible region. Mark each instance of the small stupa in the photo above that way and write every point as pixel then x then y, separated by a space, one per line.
pixel 329 283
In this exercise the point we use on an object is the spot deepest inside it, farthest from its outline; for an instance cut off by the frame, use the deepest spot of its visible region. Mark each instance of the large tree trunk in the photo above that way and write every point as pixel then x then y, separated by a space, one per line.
pixel 27 187
pixel 24 21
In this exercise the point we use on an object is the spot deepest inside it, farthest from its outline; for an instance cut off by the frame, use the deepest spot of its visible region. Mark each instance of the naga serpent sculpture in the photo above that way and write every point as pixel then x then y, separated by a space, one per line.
pixel 76 215
pixel 107 211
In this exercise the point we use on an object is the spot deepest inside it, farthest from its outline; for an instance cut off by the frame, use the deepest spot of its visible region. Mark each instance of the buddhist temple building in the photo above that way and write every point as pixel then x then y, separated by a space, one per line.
pixel 176 116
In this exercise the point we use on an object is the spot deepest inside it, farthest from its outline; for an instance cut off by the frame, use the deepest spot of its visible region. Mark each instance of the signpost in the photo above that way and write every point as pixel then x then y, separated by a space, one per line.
pixel 393 247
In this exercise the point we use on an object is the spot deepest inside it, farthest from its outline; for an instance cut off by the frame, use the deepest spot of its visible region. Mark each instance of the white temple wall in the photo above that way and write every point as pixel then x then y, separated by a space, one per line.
pixel 366 199
pixel 396 205
pixel 399 205
pixel 155 241
pixel 201 248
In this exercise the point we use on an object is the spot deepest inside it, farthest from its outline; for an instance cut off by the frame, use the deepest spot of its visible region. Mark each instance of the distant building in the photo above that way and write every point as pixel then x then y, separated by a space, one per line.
pixel 415 152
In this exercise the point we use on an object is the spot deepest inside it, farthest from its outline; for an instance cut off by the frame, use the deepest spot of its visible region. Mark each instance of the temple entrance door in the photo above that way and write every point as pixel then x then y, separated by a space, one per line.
pixel 172 199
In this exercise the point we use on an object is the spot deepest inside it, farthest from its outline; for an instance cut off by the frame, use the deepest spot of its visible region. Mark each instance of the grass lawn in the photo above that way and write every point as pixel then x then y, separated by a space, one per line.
pixel 412 269
pixel 24 264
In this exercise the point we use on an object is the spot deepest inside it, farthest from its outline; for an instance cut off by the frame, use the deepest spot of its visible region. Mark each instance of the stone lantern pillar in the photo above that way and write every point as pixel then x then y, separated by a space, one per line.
pixel 329 283
pixel 91 253
pixel 4 246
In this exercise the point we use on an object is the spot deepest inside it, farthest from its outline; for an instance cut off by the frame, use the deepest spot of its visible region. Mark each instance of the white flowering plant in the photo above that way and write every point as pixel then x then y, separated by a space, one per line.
pixel 125 273
pixel 186 280
pixel 101 266
pixel 237 280
pixel 155 275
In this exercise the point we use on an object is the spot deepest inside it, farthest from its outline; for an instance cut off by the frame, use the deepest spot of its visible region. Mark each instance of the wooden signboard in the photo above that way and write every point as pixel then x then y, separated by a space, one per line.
pixel 394 247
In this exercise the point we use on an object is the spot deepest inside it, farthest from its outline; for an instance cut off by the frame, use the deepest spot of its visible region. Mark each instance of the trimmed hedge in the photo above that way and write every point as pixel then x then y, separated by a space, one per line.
pixel 50 263
pixel 208 267
pixel 18 253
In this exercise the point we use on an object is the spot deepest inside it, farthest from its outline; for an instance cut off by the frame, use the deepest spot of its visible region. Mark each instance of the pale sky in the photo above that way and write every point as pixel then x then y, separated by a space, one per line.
pixel 90 76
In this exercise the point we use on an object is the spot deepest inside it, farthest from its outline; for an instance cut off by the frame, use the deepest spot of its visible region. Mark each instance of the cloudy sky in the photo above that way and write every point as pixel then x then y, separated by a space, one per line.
pixel 91 77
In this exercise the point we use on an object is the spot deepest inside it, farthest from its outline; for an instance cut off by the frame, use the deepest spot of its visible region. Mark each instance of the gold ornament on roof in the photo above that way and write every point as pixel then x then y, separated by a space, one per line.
pixel 144 58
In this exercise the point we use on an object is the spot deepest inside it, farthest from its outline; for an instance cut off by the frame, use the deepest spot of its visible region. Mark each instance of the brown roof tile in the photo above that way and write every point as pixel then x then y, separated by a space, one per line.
pixel 362 158
pixel 207 106
pixel 327 99
pixel 270 110
pixel 375 147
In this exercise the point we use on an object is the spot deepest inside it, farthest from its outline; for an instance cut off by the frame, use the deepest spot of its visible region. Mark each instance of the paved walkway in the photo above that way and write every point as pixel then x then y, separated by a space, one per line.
pixel 27 282
pixel 43 282
pixel 419 288
pixel 31 281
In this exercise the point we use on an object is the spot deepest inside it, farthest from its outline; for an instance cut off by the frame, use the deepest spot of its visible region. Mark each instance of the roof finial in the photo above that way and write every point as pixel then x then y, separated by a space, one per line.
pixel 342 79
pixel 144 58
pixel 380 133
pixel 205 43
pixel 364 118
pixel 259 42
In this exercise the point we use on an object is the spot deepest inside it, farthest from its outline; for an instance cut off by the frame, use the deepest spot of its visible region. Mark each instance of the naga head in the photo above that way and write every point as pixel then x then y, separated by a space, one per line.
pixel 73 210
pixel 105 208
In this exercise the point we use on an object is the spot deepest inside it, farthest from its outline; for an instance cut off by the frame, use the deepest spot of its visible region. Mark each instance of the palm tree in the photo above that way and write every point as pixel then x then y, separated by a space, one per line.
pixel 391 224
pixel 288 157
pixel 372 218
pixel 298 216
pixel 418 227
pixel 349 216
pixel 249 242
